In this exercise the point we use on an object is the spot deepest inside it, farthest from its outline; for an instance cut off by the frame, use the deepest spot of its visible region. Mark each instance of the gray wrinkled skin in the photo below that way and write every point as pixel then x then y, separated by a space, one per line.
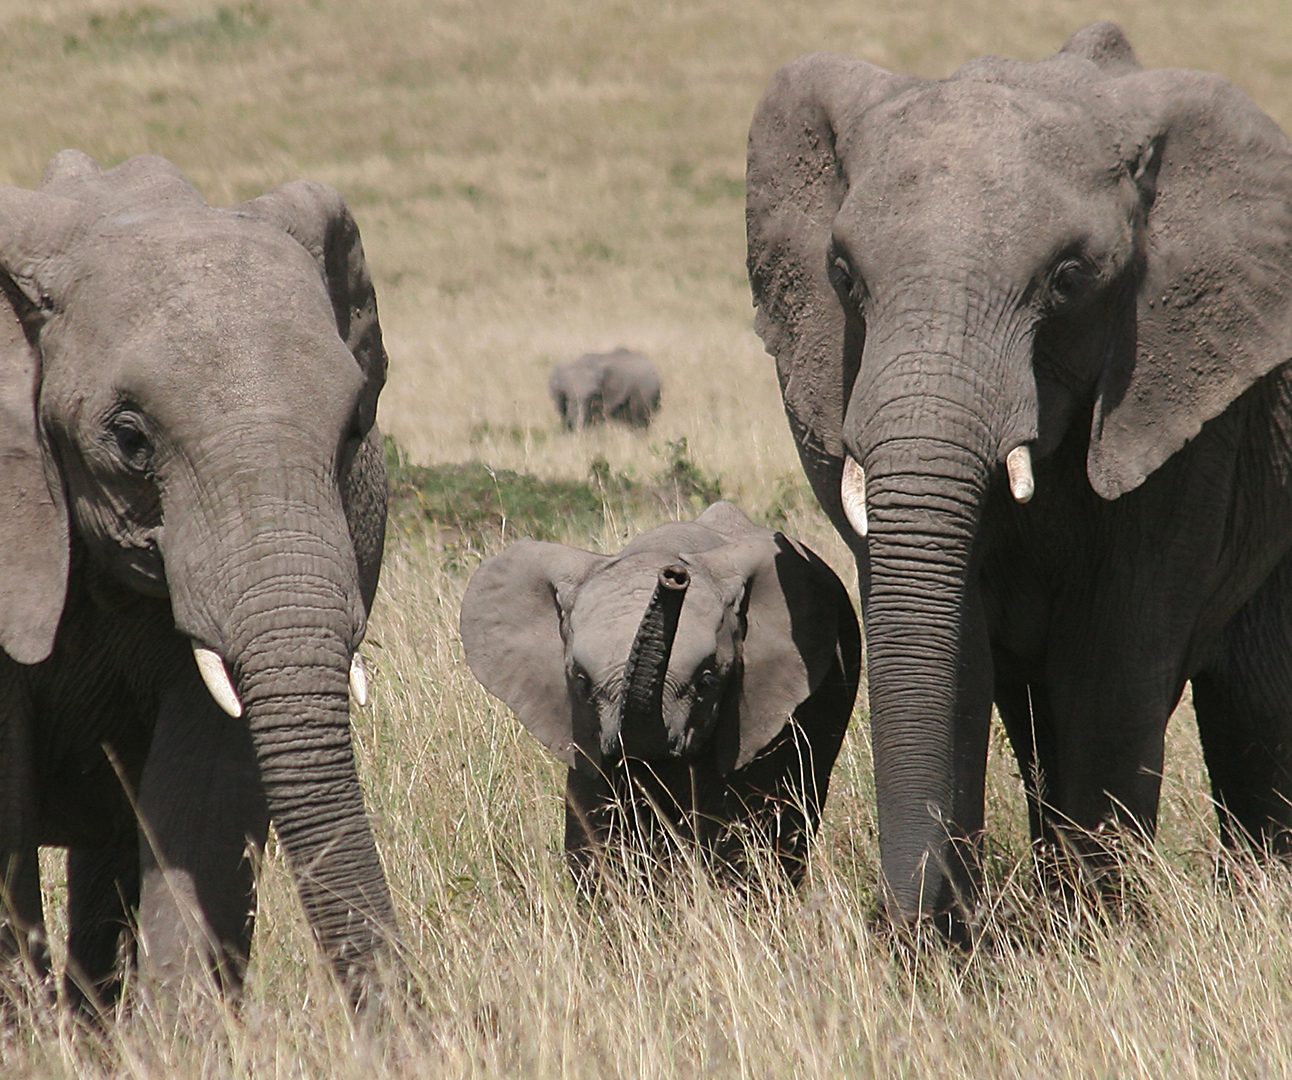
pixel 1094 261
pixel 733 731
pixel 187 397
pixel 620 385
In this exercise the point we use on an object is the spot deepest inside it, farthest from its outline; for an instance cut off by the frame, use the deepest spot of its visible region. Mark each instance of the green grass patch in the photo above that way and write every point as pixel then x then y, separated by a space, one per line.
pixel 467 504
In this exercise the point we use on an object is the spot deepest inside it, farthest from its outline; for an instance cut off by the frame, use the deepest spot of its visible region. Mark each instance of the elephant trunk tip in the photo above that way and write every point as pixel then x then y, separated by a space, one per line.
pixel 675 578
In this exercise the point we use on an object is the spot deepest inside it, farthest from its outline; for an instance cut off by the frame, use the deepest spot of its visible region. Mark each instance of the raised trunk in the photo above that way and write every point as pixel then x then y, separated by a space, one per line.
pixel 641 723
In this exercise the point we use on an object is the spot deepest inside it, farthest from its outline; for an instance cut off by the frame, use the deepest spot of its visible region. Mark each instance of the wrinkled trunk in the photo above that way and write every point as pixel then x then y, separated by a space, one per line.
pixel 264 574
pixel 929 746
pixel 641 721
pixel 933 411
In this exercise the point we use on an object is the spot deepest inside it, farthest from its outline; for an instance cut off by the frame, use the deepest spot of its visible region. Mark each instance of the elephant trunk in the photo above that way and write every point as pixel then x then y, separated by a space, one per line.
pixel 929 425
pixel 298 714
pixel 641 723
pixel 264 575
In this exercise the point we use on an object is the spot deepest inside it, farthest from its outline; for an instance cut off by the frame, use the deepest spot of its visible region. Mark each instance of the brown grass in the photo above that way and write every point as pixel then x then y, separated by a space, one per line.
pixel 535 180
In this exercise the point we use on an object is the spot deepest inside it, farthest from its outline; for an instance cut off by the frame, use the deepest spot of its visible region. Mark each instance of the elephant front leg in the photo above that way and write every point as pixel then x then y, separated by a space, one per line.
pixel 1106 710
pixel 22 922
pixel 103 894
pixel 590 810
pixel 22 919
pixel 203 816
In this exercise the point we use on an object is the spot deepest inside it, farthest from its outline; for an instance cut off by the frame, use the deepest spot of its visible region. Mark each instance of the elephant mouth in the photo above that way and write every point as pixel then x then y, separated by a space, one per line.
pixel 852 486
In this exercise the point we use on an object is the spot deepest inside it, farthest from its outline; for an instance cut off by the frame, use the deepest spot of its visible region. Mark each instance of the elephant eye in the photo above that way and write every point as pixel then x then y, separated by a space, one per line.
pixel 841 270
pixel 1070 278
pixel 706 683
pixel 133 446
pixel 582 680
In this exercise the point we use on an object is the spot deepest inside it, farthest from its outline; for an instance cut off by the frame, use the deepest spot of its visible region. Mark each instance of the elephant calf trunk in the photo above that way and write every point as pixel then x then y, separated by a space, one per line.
pixel 651 649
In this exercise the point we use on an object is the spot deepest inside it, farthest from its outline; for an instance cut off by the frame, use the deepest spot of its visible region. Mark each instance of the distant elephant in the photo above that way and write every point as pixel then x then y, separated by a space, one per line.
pixel 194 504
pixel 1032 324
pixel 709 668
pixel 620 385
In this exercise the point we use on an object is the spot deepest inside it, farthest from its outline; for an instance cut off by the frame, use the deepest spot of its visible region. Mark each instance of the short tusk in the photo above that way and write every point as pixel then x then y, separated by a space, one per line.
pixel 1019 466
pixel 359 681
pixel 216 677
pixel 853 490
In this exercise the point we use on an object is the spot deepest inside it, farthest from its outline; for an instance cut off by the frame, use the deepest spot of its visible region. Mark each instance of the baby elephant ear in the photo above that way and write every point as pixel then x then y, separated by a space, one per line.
pixel 511 633
pixel 798 618
pixel 318 219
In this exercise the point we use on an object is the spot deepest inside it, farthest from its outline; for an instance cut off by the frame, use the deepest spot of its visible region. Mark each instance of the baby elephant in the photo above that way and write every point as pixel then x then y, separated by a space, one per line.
pixel 698 684
pixel 621 385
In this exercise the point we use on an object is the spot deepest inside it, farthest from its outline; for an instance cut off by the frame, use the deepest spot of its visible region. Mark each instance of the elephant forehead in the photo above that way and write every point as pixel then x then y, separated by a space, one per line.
pixel 982 156
pixel 236 305
pixel 178 262
pixel 610 608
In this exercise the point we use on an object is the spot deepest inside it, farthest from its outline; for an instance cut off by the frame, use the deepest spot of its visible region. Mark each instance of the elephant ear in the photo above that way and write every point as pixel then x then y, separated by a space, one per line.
pixel 511 624
pixel 795 183
pixel 317 217
pixel 797 617
pixel 1105 46
pixel 1215 306
pixel 36 229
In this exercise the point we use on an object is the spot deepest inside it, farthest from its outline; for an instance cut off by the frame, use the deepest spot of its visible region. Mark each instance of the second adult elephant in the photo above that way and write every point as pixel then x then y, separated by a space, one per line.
pixel 620 385
pixel 1032 325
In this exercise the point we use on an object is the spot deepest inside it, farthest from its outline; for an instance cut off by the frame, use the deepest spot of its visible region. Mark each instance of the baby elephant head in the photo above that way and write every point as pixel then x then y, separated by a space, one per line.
pixel 699 639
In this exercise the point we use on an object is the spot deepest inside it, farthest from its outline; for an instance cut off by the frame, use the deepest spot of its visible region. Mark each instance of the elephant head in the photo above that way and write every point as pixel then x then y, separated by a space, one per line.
pixel 954 277
pixel 576 389
pixel 699 638
pixel 188 399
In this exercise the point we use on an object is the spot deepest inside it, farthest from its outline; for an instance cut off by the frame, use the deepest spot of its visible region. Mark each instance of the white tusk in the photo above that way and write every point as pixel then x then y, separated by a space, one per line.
pixel 853 490
pixel 359 681
pixel 1019 466
pixel 216 677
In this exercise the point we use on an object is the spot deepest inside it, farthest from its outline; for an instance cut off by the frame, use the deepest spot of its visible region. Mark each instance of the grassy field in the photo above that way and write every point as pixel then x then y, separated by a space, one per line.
pixel 533 180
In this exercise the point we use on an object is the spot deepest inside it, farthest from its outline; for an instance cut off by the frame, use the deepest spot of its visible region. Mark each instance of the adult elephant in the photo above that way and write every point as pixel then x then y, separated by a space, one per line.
pixel 1031 324
pixel 193 514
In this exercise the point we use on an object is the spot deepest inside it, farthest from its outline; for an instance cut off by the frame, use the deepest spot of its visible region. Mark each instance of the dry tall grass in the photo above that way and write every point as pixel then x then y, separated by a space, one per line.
pixel 536 179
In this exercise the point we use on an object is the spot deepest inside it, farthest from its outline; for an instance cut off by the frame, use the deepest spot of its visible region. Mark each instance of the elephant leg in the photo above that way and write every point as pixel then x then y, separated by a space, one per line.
pixel 22 917
pixel 203 815
pixel 589 812
pixel 103 894
pixel 22 922
pixel 1109 708
pixel 1243 701
pixel 1029 724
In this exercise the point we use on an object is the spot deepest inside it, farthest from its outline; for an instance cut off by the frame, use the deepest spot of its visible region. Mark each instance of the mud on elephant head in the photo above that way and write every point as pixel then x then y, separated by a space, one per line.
pixel 187 407
pixel 1074 263
pixel 711 666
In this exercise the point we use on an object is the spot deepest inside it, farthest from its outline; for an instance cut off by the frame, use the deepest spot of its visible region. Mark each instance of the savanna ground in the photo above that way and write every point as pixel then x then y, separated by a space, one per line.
pixel 534 179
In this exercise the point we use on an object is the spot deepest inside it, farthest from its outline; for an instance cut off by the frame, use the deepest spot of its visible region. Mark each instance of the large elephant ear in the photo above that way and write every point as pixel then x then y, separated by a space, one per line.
pixel 797 619
pixel 1215 306
pixel 36 231
pixel 795 183
pixel 511 625
pixel 317 217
